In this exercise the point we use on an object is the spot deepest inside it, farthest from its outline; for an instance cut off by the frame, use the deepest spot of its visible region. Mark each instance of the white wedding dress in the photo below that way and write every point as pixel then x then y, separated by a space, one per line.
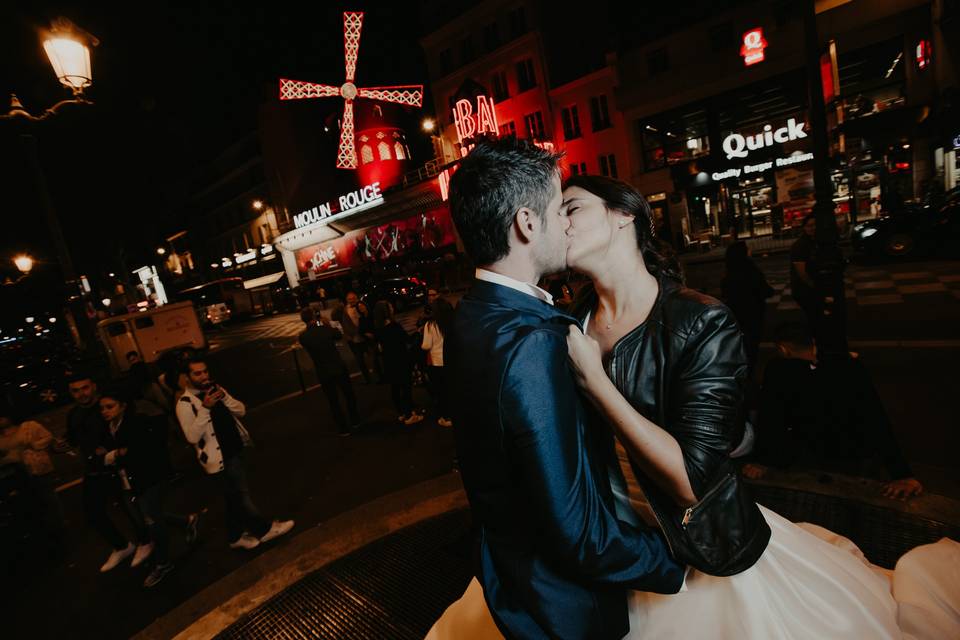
pixel 809 583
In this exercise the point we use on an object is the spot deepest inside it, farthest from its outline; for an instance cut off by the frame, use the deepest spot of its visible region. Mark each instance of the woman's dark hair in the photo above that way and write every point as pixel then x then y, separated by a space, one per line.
pixel 737 255
pixel 118 392
pixel 660 258
pixel 807 218
pixel 495 180
pixel 441 312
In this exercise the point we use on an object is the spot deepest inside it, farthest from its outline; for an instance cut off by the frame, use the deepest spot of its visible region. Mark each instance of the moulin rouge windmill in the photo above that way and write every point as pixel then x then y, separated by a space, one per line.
pixel 410 95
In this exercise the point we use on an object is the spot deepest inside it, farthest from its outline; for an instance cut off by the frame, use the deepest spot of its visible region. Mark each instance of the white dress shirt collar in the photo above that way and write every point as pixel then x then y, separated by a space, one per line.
pixel 522 287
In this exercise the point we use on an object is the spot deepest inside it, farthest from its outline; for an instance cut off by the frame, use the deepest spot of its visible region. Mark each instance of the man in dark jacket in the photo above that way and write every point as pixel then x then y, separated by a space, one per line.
pixel 87 431
pixel 554 560
pixel 319 340
pixel 354 319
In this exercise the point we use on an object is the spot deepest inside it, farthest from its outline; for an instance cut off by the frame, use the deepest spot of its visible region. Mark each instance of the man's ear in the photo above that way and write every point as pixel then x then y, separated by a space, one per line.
pixel 527 224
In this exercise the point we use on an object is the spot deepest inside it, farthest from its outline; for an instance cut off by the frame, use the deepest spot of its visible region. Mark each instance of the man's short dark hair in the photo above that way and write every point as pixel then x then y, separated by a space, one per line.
pixel 132 353
pixel 79 376
pixel 793 333
pixel 195 359
pixel 495 180
pixel 306 314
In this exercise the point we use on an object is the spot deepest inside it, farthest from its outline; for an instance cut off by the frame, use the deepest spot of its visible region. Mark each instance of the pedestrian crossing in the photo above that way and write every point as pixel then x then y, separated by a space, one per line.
pixel 872 286
pixel 284 327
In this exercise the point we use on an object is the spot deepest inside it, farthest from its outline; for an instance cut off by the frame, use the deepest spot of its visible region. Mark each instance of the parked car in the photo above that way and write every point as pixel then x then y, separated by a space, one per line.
pixel 911 231
pixel 34 373
pixel 402 293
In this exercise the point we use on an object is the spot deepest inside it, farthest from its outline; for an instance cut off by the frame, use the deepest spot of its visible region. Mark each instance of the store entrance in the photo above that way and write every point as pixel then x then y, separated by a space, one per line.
pixel 752 210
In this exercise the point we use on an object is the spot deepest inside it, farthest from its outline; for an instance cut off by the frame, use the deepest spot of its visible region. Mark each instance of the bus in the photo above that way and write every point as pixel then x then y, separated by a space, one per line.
pixel 219 301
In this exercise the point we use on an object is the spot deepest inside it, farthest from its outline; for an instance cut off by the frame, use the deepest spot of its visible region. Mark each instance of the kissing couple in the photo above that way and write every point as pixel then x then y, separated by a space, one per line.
pixel 594 447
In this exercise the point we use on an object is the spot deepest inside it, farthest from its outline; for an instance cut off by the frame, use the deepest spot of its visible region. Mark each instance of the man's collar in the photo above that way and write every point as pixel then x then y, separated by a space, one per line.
pixel 507 281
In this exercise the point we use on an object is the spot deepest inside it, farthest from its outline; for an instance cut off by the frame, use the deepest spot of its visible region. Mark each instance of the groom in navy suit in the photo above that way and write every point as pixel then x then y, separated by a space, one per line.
pixel 554 560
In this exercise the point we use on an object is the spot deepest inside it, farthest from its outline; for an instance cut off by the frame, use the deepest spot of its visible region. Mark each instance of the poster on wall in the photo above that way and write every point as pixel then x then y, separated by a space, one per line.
pixel 422 232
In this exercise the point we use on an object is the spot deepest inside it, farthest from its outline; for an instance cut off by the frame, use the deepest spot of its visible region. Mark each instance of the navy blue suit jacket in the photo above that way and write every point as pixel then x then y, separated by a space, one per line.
pixel 554 560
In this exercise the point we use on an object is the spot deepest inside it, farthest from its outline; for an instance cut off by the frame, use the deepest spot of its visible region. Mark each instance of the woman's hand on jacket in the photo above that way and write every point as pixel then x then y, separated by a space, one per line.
pixel 585 357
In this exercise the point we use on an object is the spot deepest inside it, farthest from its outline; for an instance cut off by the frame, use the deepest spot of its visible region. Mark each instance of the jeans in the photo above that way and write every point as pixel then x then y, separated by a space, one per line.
pixel 330 388
pixel 402 394
pixel 359 351
pixel 98 492
pixel 241 514
pixel 156 520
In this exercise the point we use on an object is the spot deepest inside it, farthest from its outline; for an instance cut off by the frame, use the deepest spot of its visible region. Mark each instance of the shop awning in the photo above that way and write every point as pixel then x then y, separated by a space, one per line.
pixel 262 281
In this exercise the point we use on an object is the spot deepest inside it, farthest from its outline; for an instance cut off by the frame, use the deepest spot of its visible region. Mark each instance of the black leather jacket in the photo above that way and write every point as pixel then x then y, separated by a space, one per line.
pixel 685 370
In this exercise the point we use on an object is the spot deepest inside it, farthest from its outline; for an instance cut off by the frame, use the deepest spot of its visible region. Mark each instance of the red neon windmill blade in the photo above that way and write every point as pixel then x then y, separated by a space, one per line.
pixel 410 95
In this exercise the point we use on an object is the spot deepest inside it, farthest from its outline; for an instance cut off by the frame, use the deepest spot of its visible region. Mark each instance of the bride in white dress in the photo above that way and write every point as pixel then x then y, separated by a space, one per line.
pixel 809 583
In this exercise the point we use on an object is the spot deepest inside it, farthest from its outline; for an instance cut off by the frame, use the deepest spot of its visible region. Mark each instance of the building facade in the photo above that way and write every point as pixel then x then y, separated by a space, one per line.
pixel 718 117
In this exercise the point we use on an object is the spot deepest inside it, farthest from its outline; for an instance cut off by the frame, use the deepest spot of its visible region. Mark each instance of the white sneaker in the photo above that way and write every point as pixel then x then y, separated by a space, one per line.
pixel 117 556
pixel 143 552
pixel 443 422
pixel 414 418
pixel 246 541
pixel 277 529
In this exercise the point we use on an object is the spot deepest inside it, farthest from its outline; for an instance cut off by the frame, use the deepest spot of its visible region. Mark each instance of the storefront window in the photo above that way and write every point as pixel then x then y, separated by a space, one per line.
pixel 872 79
pixel 674 138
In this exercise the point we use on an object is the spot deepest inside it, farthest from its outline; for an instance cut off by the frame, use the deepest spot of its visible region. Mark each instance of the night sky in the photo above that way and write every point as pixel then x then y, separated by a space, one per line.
pixel 176 83
pixel 173 86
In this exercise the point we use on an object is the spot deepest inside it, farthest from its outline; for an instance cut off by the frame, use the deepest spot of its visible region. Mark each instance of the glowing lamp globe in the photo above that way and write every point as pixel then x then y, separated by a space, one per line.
pixel 70 59
pixel 24 263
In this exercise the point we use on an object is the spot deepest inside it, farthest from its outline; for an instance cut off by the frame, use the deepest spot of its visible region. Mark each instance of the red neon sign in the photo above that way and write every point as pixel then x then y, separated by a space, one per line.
pixel 470 125
pixel 753 46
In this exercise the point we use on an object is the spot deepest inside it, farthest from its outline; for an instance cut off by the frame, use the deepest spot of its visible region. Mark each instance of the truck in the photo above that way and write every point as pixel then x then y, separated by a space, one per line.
pixel 151 333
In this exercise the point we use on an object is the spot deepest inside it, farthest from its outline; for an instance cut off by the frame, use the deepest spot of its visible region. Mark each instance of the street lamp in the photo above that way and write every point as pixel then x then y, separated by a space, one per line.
pixel 68 48
pixel 258 204
pixel 161 251
pixel 24 263
pixel 429 125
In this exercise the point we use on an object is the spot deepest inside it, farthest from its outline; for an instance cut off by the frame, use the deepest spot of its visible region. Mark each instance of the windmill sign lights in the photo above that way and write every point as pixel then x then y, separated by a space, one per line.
pixel 410 95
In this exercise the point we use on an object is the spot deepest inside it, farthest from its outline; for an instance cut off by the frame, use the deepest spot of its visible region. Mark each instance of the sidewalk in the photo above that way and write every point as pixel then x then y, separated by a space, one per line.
pixel 298 469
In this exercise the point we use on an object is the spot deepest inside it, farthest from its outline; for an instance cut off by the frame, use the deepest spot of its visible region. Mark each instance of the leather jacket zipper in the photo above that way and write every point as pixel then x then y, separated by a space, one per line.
pixel 688 514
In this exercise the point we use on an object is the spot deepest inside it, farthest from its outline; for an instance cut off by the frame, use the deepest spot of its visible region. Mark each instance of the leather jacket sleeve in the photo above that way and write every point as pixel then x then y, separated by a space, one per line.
pixel 705 411
pixel 541 424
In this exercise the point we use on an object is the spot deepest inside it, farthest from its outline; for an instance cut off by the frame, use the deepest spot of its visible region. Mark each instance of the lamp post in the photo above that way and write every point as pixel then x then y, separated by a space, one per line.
pixel 24 265
pixel 68 49
pixel 429 126
pixel 831 331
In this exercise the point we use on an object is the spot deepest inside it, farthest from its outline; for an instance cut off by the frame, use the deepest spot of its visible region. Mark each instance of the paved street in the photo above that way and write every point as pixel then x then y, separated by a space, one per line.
pixel 909 300
pixel 301 470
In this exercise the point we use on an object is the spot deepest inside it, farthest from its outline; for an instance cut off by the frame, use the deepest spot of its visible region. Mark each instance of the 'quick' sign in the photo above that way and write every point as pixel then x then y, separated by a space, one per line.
pixel 739 146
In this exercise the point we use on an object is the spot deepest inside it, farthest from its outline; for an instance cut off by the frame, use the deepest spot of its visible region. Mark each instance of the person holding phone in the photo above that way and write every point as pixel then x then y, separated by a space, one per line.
pixel 210 419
